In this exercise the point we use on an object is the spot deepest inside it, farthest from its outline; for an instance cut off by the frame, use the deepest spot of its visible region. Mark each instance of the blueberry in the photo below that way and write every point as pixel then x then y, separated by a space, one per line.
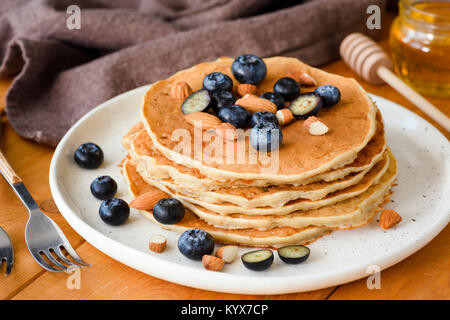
pixel 223 99
pixel 288 88
pixel 266 137
pixel 258 260
pixel 114 211
pixel 276 98
pixel 236 115
pixel 168 211
pixel 103 187
pixel 88 155
pixel 195 243
pixel 262 117
pixel 199 101
pixel 217 81
pixel 306 105
pixel 249 68
pixel 330 95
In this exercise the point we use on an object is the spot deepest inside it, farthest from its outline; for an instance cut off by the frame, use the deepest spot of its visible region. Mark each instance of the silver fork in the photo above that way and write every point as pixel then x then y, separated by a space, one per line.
pixel 43 236
pixel 6 251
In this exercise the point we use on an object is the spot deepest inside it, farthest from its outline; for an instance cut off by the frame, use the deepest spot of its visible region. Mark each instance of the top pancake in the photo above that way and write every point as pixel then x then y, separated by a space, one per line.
pixel 352 124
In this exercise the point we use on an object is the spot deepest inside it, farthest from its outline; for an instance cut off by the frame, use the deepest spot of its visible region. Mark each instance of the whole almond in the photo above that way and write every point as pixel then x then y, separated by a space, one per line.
pixel 157 243
pixel 180 90
pixel 246 88
pixel 302 78
pixel 389 218
pixel 256 104
pixel 227 253
pixel 284 116
pixel 306 80
pixel 212 263
pixel 203 120
pixel 226 131
pixel 147 200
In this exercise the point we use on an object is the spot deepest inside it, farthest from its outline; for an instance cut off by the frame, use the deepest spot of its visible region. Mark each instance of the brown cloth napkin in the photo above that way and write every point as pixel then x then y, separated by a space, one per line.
pixel 61 74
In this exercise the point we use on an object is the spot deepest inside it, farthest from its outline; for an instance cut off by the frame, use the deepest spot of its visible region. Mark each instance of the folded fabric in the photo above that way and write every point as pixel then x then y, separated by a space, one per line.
pixel 62 73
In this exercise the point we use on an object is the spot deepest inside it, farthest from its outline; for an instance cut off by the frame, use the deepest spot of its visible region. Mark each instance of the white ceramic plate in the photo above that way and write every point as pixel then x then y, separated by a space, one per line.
pixel 421 197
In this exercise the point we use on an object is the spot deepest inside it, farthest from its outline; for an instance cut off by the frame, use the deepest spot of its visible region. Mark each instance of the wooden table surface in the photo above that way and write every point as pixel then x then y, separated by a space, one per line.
pixel 424 275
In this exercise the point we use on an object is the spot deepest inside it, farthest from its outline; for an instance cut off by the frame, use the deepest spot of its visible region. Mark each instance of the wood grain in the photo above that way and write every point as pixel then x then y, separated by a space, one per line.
pixel 424 275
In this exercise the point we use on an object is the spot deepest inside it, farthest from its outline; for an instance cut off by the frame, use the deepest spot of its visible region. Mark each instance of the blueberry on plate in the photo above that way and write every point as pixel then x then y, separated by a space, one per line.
pixel 236 115
pixel 114 211
pixel 288 88
pixel 276 98
pixel 103 187
pixel 88 155
pixel 217 81
pixel 293 254
pixel 168 211
pixel 258 260
pixel 262 117
pixel 195 243
pixel 223 99
pixel 330 95
pixel 266 137
pixel 199 101
pixel 249 68
pixel 306 105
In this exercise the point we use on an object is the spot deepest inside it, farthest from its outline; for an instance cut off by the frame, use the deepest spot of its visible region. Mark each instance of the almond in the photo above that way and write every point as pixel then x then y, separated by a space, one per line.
pixel 180 90
pixel 306 80
pixel 302 78
pixel 249 95
pixel 157 243
pixel 257 104
pixel 212 263
pixel 147 200
pixel 389 218
pixel 226 131
pixel 227 253
pixel 246 88
pixel 284 116
pixel 315 126
pixel 203 120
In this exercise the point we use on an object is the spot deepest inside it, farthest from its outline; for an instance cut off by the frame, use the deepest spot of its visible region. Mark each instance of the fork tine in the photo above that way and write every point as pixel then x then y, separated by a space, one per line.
pixel 44 263
pixel 9 265
pixel 50 257
pixel 75 256
pixel 59 253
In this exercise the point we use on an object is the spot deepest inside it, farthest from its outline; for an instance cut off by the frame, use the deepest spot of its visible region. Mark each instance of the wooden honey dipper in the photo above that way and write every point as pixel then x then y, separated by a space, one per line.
pixel 370 62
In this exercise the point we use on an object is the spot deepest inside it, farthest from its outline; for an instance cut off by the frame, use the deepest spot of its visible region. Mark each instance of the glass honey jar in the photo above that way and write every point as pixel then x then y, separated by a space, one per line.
pixel 420 45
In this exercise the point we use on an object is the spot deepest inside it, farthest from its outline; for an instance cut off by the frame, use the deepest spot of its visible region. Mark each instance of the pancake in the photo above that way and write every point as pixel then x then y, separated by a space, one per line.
pixel 152 163
pixel 352 122
pixel 246 237
pixel 347 214
pixel 298 228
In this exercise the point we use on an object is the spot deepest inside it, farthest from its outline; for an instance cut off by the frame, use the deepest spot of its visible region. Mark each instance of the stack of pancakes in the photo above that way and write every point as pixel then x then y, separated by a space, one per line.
pixel 320 183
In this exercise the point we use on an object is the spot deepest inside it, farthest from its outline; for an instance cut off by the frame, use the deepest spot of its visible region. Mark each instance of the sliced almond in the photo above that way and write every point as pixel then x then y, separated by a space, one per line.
pixel 315 126
pixel 157 243
pixel 389 218
pixel 249 95
pixel 180 90
pixel 226 131
pixel 227 253
pixel 284 116
pixel 212 263
pixel 256 104
pixel 147 200
pixel 203 120
pixel 246 88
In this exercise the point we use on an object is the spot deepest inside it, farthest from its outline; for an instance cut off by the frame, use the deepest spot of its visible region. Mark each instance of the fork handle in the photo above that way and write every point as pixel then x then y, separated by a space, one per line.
pixel 7 171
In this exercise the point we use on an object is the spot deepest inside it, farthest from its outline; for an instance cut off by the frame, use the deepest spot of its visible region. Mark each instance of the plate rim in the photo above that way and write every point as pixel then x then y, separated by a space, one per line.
pixel 224 282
